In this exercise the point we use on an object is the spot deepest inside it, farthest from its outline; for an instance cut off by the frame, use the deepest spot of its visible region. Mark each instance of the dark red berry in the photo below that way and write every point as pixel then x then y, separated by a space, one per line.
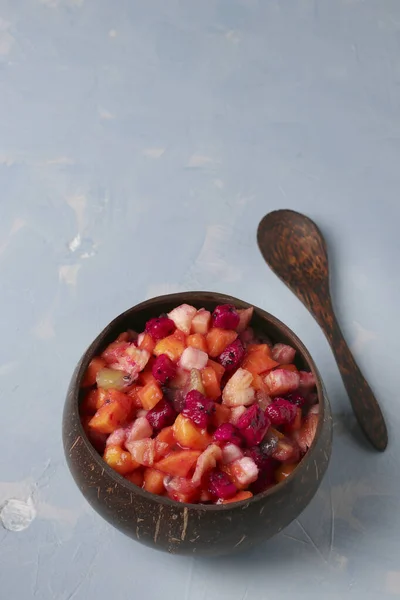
pixel 163 369
pixel 231 358
pixel 253 425
pixel 281 412
pixel 225 316
pixel 229 434
pixel 198 408
pixel 160 327
pixel 162 415
pixel 220 485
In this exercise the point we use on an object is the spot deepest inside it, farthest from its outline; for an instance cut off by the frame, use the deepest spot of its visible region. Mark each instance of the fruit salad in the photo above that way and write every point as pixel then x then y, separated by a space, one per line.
pixel 199 407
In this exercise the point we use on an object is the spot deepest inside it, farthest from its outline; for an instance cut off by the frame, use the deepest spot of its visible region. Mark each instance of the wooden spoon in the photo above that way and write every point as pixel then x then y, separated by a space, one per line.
pixel 294 248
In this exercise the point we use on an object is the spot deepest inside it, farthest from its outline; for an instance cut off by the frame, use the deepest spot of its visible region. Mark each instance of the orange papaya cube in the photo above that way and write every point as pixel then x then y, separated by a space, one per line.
pixel 239 497
pixel 284 471
pixel 196 340
pixel 178 463
pixel 222 415
pixel 96 364
pixel 153 481
pixel 172 346
pixel 166 436
pixel 136 477
pixel 219 369
pixel 211 383
pixel 113 413
pixel 147 343
pixel 179 335
pixel 218 339
pixel 258 359
pixel 146 377
pixel 188 435
pixel 97 439
pixel 134 396
pixel 120 460
pixel 150 395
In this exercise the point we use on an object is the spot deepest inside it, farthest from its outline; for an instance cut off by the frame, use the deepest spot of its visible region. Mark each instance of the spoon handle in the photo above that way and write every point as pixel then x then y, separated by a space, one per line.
pixel 363 401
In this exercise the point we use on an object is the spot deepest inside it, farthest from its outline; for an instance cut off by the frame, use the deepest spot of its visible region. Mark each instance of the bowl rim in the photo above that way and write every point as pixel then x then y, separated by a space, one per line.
pixel 183 297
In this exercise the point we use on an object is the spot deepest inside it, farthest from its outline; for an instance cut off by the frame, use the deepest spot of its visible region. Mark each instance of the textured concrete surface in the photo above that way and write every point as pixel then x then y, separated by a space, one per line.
pixel 140 144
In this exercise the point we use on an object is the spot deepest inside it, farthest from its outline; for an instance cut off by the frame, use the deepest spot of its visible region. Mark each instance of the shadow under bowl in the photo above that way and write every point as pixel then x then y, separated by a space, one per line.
pixel 167 525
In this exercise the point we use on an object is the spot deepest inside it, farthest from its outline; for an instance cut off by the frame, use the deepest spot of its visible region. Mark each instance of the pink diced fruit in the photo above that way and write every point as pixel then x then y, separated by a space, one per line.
pixel 198 408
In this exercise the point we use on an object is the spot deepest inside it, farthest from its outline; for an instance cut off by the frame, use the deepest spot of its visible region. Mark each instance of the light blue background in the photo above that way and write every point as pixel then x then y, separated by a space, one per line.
pixel 140 144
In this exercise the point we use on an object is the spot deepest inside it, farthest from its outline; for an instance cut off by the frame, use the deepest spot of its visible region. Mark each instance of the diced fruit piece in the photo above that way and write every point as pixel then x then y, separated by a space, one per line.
pixel 211 383
pixel 247 337
pixel 292 368
pixel 195 382
pixel 160 327
pixel 178 463
pixel 306 435
pixel 238 390
pixel 258 383
pixel 136 477
pixel 281 382
pixel 133 360
pixel 181 489
pixel 263 399
pixel 147 376
pixel 111 378
pixel 95 365
pixel 112 414
pixel 114 351
pixel 201 321
pixel 230 453
pixel 163 369
pixel 118 437
pixel 192 358
pixel 206 461
pixel 190 436
pixel 198 409
pixel 296 398
pixel 283 471
pixel 119 460
pixel 220 485
pixel 261 457
pixel 153 481
pixel 232 357
pixel 253 425
pixel 245 316
pixel 240 496
pixel 225 316
pixel 150 395
pixel 171 346
pixel 143 451
pixel 295 425
pixel 162 415
pixel 258 359
pixel 228 433
pixel 218 339
pixel 283 354
pixel 146 342
pixel 222 415
pixel 97 439
pixel 286 451
pixel 167 437
pixel 139 430
pixel 243 472
pixel 307 383
pixel 196 340
pixel 183 316
pixel 134 396
pixel 281 412
pixel 219 369
pixel 236 413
